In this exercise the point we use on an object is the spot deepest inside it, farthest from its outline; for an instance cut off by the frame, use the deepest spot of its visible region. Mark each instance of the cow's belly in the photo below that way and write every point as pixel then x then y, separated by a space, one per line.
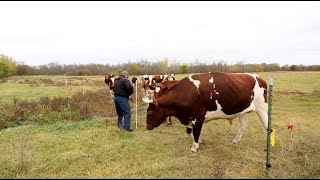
pixel 219 114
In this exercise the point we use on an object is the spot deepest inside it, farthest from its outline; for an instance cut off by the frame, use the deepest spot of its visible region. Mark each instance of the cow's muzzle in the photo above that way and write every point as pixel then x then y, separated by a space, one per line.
pixel 149 127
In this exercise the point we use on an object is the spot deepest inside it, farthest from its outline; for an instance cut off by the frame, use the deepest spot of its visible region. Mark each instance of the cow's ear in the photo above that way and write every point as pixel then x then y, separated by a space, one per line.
pixel 164 89
pixel 154 104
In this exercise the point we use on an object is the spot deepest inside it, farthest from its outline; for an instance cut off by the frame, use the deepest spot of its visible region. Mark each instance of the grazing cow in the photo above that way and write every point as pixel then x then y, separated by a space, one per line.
pixel 204 97
pixel 109 80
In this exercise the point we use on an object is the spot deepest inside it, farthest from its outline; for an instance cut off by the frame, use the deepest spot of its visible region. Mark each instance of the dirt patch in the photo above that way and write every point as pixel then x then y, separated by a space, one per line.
pixel 289 93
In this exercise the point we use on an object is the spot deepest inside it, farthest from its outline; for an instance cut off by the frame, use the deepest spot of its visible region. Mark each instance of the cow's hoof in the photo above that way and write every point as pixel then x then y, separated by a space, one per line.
pixel 235 141
pixel 194 150
pixel 195 147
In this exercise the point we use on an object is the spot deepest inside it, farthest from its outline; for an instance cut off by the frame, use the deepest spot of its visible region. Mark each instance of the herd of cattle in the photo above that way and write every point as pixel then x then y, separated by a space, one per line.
pixel 200 98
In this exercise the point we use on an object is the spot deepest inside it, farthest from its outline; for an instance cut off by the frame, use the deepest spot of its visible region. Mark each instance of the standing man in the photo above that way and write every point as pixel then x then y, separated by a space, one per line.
pixel 122 90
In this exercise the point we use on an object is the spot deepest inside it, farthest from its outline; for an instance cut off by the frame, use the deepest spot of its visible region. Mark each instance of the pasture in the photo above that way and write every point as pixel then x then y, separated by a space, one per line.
pixel 96 148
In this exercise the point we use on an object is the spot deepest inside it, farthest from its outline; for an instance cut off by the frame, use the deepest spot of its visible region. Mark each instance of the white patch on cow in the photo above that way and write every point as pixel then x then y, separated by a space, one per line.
pixel 255 105
pixel 195 82
pixel 164 77
pixel 144 99
pixel 112 79
pixel 211 80
pixel 210 95
pixel 218 114
pixel 194 121
pixel 258 105
pixel 150 77
pixel 157 89
pixel 195 147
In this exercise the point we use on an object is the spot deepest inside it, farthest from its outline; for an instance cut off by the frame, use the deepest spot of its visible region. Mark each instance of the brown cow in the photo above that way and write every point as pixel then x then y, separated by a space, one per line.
pixel 209 96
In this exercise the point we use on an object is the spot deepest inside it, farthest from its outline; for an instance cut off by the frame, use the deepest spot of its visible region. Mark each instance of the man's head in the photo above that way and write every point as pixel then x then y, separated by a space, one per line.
pixel 125 74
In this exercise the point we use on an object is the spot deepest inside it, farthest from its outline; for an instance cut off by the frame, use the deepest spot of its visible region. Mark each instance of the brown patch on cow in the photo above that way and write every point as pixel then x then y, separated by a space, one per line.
pixel 157 79
pixel 163 87
pixel 228 91
pixel 263 84
pixel 134 80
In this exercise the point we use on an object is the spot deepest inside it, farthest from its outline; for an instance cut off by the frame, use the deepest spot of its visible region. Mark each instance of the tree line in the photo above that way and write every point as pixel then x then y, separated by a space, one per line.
pixel 9 67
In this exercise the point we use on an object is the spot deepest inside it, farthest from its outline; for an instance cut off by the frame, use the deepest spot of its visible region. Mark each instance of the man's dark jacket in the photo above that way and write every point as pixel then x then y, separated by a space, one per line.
pixel 122 87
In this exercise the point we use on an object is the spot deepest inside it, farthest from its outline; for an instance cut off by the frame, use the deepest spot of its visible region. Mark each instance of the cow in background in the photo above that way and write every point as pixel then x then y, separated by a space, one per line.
pixel 146 81
pixel 134 80
pixel 109 80
pixel 169 77
pixel 204 97
pixel 162 78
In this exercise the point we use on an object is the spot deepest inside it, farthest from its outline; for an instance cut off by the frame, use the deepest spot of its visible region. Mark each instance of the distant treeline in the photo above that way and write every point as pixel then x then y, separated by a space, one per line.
pixel 8 67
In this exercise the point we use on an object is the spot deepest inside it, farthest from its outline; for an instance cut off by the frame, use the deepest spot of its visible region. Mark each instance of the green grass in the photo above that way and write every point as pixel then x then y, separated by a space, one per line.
pixel 18 88
pixel 97 149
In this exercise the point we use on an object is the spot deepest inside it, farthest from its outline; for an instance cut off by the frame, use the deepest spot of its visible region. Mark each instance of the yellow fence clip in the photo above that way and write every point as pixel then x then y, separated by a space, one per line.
pixel 273 135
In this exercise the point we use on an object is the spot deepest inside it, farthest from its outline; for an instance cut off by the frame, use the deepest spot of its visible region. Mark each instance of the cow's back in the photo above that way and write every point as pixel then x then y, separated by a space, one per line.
pixel 231 92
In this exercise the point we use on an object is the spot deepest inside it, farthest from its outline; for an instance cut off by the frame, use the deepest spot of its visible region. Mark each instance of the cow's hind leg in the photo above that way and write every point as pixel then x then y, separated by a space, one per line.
pixel 262 112
pixel 243 125
pixel 230 122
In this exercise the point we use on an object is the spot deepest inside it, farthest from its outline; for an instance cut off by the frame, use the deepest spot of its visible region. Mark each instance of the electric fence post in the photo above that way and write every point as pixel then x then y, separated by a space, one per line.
pixel 269 130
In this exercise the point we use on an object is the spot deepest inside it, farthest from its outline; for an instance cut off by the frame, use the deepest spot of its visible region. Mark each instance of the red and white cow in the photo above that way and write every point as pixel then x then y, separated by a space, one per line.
pixel 146 81
pixel 204 97
pixel 109 80
pixel 162 78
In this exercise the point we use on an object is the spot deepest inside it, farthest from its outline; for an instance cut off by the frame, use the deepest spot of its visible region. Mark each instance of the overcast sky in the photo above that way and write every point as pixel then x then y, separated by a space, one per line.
pixel 115 32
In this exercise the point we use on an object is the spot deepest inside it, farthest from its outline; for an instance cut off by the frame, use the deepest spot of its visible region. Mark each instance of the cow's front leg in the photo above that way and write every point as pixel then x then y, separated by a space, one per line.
pixel 196 135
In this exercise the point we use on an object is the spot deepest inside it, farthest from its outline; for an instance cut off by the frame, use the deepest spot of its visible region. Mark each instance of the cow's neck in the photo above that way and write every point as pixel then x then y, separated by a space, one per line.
pixel 172 103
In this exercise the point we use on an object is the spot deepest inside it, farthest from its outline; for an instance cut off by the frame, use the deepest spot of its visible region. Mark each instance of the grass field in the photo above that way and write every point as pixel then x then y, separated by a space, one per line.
pixel 95 148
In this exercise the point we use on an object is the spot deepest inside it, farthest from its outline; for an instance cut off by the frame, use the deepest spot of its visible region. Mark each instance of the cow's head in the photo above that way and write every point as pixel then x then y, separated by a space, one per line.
pixel 145 82
pixel 155 114
pixel 134 80
pixel 109 80
pixel 171 77
pixel 158 79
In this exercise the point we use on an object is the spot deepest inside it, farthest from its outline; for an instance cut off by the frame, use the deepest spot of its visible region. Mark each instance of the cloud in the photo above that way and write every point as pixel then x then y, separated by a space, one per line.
pixel 94 32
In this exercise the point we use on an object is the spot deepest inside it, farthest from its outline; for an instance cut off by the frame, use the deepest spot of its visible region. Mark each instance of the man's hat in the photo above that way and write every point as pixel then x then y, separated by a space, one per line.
pixel 124 73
